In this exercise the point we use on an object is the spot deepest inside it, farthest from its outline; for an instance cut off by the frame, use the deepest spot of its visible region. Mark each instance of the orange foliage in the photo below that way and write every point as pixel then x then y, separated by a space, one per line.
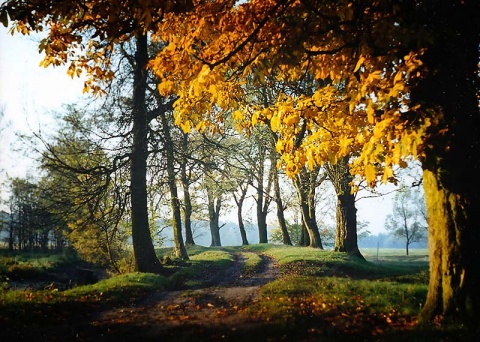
pixel 357 105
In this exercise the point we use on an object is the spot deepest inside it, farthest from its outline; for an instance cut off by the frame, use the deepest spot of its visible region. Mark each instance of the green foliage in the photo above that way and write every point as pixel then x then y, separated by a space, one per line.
pixel 294 230
pixel 84 188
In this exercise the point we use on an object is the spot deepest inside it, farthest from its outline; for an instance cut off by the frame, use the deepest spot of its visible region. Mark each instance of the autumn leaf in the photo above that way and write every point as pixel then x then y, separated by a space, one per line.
pixel 370 173
pixel 359 64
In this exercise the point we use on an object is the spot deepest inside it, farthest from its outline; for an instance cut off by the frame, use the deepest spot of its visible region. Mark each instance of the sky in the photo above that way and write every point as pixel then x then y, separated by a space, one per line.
pixel 29 93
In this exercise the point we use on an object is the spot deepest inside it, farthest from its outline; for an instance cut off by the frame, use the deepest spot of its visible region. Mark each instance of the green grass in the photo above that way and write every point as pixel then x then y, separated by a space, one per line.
pixel 253 262
pixel 318 295
pixel 204 264
pixel 51 306
pixel 29 265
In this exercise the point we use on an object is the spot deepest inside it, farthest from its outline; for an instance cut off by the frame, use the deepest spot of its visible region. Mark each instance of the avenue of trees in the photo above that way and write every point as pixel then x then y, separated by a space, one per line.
pixel 344 90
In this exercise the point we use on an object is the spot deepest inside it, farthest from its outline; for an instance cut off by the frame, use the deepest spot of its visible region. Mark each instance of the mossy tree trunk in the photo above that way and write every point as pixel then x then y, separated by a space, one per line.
pixel 454 248
pixel 452 161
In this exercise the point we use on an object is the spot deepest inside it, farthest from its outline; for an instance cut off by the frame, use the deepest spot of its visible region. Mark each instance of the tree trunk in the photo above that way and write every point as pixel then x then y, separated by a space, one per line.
pixel 346 213
pixel 262 224
pixel 179 246
pixel 454 246
pixel 261 215
pixel 145 258
pixel 305 183
pixel 452 162
pixel 304 240
pixel 187 214
pixel 187 200
pixel 280 210
pixel 241 225
pixel 310 223
pixel 214 205
pixel 283 224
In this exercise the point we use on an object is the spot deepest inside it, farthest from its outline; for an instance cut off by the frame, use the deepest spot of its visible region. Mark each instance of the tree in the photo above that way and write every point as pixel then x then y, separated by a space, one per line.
pixel 85 34
pixel 169 147
pixel 85 190
pixel 405 78
pixel 279 202
pixel 242 174
pixel 406 220
pixel 263 184
pixel 402 82
pixel 186 179
pixel 306 183
pixel 346 213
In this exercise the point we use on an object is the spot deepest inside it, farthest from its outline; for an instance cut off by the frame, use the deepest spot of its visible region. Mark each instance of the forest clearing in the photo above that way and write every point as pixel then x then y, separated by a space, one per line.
pixel 260 292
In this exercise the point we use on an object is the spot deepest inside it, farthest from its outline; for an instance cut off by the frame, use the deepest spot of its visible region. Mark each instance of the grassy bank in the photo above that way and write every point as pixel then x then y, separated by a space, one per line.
pixel 317 295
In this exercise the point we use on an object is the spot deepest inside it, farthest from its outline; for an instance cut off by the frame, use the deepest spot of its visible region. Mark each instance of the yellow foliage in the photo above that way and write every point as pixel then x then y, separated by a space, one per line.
pixel 370 173
pixel 215 48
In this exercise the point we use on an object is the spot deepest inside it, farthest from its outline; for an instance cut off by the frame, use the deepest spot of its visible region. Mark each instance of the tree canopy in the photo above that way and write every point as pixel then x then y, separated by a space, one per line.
pixel 392 80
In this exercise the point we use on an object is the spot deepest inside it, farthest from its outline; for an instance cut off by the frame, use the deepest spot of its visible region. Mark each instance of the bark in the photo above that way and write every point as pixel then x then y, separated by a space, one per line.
pixel 179 246
pixel 187 200
pixel 241 225
pixel 306 183
pixel 346 213
pixel 280 209
pixel 304 238
pixel 263 197
pixel 451 164
pixel 145 258
pixel 214 205
pixel 187 215
pixel 454 253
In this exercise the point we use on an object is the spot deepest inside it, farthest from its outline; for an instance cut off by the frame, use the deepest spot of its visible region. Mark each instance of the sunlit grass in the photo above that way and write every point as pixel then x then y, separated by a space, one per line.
pixel 326 292
pixel 320 291
pixel 253 262
pixel 28 265
pixel 204 264
pixel 50 305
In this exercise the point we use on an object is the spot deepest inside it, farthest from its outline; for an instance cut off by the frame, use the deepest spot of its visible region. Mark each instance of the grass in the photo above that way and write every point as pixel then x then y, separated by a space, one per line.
pixel 204 264
pixel 318 295
pixel 333 280
pixel 29 265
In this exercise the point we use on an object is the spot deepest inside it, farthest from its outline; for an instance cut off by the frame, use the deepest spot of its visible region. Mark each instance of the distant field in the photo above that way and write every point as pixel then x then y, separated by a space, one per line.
pixel 395 254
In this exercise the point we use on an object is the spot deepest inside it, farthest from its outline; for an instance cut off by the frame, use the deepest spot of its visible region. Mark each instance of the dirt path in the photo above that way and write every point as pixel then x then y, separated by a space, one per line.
pixel 217 311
